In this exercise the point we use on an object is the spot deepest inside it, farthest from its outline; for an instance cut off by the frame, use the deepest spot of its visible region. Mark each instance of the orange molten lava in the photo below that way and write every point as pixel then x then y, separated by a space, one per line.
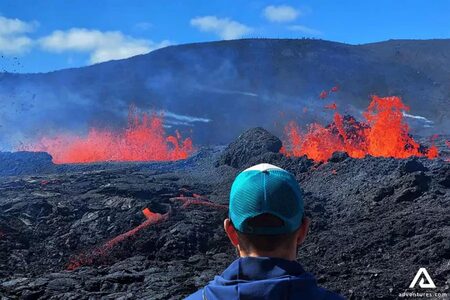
pixel 385 134
pixel 144 139
pixel 323 94
pixel 103 250
pixel 332 106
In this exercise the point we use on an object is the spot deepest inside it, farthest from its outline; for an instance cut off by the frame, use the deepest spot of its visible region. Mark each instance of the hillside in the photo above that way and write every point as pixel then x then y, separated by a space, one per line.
pixel 219 89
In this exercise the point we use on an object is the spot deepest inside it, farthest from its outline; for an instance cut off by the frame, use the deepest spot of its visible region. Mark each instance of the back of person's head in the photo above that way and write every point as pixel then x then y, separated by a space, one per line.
pixel 265 242
pixel 266 211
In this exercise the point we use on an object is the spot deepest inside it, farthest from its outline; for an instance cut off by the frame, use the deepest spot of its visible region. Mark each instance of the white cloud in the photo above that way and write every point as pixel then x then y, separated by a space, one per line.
pixel 14 44
pixel 102 46
pixel 15 26
pixel 13 35
pixel 281 13
pixel 304 29
pixel 225 28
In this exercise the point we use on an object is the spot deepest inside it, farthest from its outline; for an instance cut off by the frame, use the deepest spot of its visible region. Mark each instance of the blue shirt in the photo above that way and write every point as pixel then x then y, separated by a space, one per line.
pixel 263 278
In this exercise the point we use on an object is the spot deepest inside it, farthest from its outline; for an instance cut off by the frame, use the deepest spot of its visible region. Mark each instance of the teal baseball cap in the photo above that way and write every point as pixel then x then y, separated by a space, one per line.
pixel 266 189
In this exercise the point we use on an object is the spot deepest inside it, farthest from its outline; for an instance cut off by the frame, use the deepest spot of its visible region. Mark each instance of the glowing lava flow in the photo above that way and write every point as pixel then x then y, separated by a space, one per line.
pixel 144 139
pixel 88 259
pixel 385 134
pixel 152 218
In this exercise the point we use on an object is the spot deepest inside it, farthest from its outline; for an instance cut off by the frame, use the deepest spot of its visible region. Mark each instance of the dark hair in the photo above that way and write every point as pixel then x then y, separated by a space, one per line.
pixel 266 242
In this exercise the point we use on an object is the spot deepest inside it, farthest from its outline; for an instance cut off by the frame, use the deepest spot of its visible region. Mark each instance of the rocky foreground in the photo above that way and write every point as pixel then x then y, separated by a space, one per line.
pixel 65 230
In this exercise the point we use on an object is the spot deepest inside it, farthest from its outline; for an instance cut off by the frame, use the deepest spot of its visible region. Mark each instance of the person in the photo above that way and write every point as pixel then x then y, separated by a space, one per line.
pixel 266 225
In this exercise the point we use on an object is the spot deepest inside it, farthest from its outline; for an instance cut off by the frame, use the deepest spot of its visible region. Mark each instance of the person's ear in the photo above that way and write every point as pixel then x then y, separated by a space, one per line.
pixel 303 230
pixel 231 232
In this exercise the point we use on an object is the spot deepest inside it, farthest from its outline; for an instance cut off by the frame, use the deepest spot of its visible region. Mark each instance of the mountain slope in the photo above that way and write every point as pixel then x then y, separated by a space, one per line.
pixel 219 89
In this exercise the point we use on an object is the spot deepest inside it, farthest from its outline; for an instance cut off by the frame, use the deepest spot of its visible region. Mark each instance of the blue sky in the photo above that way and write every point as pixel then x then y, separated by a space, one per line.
pixel 46 35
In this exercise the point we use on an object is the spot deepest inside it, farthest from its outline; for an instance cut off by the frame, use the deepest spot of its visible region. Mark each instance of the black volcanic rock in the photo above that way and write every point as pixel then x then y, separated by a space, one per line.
pixel 373 225
pixel 252 143
pixel 412 165
pixel 338 156
pixel 20 163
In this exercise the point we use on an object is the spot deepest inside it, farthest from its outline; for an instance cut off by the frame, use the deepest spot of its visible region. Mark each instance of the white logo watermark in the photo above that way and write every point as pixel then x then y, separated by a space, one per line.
pixel 422 274
pixel 424 282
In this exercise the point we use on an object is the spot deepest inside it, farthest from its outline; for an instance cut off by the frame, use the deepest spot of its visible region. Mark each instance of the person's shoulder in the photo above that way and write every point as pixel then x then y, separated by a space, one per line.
pixel 195 296
pixel 319 292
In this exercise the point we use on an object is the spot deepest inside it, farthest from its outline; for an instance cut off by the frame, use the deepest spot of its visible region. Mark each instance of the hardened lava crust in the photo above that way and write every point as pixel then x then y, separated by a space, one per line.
pixel 79 231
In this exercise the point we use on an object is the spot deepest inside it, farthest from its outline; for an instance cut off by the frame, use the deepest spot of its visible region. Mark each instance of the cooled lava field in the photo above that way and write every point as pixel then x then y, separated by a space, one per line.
pixel 154 230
